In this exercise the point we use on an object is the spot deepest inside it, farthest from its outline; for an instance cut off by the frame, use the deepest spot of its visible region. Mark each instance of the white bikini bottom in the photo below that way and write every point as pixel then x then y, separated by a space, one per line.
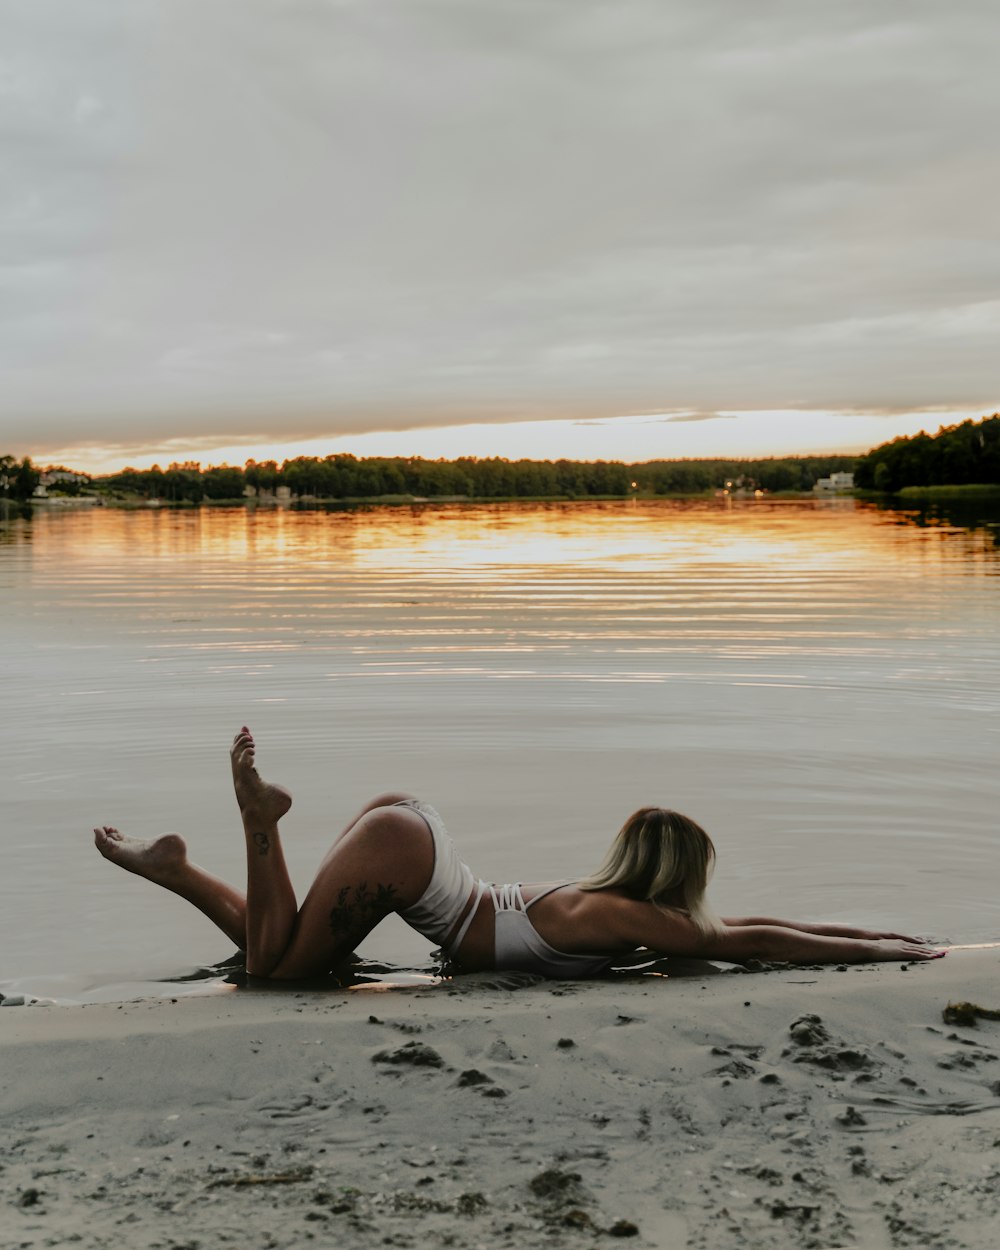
pixel 437 910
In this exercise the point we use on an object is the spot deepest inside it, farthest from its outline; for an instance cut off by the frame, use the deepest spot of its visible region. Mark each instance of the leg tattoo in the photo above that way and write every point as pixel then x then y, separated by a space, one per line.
pixel 358 910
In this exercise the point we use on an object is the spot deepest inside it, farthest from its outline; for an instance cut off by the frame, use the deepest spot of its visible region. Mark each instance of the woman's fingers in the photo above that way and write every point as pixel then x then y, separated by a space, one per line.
pixel 924 952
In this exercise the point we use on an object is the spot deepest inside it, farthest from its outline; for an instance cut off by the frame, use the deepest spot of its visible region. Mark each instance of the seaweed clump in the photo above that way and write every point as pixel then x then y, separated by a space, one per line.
pixel 968 1014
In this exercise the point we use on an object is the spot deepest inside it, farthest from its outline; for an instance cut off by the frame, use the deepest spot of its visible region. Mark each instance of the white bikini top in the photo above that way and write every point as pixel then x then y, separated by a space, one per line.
pixel 518 945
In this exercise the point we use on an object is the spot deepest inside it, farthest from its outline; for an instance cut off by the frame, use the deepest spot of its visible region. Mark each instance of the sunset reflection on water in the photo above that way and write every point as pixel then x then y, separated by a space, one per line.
pixel 632 578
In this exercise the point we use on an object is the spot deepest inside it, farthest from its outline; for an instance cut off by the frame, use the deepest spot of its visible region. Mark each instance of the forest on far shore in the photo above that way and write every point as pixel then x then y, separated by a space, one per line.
pixel 958 455
pixel 348 477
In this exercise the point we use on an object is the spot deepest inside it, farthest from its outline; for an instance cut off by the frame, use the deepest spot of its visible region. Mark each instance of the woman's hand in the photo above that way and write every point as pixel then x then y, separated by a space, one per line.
pixel 784 945
pixel 888 949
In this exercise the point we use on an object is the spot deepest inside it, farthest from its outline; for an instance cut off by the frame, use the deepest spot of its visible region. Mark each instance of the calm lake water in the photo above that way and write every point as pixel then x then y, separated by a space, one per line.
pixel 817 682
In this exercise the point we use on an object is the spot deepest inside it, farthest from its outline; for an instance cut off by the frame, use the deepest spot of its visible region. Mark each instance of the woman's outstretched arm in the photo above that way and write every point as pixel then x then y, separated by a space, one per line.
pixel 672 933
pixel 792 945
pixel 823 930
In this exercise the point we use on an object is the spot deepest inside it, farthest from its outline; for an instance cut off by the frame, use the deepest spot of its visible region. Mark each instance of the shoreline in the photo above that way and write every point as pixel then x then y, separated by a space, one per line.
pixel 907 494
pixel 805 1107
pixel 305 503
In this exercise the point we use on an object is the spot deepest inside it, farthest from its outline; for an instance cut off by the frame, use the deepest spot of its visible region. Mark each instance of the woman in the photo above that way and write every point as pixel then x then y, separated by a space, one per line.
pixel 396 857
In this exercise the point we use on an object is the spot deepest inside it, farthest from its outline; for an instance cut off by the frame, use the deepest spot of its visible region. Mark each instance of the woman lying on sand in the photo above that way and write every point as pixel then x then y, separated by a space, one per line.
pixel 396 857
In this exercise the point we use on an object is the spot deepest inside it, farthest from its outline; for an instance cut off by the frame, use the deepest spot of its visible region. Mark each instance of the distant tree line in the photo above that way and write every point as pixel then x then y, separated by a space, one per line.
pixel 179 483
pixel 691 477
pixel 958 455
pixel 348 477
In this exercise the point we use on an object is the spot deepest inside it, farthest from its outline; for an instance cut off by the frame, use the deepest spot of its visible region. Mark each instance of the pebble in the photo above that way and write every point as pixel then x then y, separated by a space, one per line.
pixel 414 1054
pixel 472 1076
pixel 623 1228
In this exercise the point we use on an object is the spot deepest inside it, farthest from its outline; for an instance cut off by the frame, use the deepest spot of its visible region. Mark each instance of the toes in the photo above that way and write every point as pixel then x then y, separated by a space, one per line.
pixel 104 843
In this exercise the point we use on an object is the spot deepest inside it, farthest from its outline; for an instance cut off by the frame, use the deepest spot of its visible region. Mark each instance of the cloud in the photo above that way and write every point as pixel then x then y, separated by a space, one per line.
pixel 251 220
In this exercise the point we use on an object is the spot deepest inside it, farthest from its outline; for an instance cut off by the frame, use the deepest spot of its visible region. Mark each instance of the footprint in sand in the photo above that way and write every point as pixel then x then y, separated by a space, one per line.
pixel 812 1043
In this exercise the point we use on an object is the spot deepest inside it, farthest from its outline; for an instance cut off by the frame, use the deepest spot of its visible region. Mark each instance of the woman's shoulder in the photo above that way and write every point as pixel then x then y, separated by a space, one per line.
pixel 574 891
pixel 641 922
pixel 612 907
pixel 617 896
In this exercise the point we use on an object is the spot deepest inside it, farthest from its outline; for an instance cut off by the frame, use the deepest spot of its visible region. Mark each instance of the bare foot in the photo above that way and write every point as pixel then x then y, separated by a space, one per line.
pixel 160 860
pixel 257 798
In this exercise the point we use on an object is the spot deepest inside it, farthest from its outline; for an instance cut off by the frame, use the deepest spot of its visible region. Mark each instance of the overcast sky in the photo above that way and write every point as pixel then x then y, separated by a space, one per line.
pixel 230 223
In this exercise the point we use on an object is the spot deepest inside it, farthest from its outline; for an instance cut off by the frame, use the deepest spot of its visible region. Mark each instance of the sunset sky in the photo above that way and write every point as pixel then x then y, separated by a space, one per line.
pixel 493 227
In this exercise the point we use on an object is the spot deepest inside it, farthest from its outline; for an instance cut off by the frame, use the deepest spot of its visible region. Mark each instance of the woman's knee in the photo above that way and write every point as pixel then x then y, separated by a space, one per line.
pixel 391 798
pixel 393 826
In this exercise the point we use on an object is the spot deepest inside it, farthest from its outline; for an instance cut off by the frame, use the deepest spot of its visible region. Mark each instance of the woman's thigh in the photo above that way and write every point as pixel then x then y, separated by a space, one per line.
pixel 382 864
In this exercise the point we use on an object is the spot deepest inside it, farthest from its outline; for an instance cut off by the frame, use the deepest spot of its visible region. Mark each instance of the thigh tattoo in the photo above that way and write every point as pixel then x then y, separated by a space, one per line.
pixel 359 909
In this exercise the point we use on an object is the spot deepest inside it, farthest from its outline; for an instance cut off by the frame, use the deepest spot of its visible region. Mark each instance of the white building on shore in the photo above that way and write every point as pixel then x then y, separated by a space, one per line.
pixel 836 481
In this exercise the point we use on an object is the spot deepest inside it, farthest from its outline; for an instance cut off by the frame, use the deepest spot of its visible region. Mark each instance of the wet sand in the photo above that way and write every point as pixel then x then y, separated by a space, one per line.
pixel 799 1107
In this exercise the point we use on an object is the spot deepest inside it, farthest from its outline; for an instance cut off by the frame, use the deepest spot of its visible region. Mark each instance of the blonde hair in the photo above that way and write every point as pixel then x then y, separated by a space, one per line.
pixel 663 858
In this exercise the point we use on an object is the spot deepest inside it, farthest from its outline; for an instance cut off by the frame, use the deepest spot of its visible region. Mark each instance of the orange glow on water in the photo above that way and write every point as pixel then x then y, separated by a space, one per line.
pixel 456 588
pixel 744 535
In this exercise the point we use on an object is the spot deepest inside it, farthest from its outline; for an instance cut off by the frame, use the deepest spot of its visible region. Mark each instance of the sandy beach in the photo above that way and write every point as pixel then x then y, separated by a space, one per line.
pixel 805 1107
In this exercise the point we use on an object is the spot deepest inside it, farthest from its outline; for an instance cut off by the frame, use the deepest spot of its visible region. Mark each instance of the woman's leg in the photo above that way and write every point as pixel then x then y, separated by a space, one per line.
pixel 381 863
pixel 270 906
pixel 164 861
